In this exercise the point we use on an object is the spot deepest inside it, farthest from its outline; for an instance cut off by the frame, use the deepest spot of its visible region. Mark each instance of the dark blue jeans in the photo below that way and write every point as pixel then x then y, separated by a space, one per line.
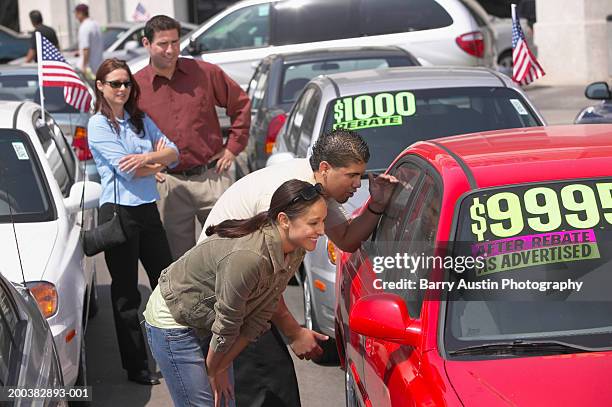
pixel 181 357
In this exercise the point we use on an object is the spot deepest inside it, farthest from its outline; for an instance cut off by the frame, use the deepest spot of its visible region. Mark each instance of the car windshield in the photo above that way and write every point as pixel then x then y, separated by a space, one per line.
pixel 297 75
pixel 545 270
pixel 21 184
pixel 110 35
pixel 391 121
pixel 25 87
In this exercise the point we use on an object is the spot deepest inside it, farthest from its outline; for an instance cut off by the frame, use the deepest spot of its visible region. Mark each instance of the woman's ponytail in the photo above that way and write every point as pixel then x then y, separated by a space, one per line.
pixel 237 228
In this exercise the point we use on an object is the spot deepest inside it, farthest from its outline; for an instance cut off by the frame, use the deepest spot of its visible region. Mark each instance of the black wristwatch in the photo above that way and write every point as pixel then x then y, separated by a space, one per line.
pixel 373 211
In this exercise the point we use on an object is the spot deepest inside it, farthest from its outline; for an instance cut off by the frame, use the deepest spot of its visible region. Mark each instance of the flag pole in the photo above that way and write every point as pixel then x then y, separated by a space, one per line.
pixel 513 9
pixel 40 73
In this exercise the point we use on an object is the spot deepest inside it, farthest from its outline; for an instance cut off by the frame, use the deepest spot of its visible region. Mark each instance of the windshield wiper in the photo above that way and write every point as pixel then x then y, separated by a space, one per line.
pixel 521 346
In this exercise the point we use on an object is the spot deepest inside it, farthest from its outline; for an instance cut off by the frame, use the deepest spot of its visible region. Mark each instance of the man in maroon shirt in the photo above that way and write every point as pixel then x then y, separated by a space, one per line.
pixel 180 95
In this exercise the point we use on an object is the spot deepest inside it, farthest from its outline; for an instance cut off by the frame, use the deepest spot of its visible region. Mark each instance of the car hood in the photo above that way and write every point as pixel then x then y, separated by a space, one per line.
pixel 576 379
pixel 36 241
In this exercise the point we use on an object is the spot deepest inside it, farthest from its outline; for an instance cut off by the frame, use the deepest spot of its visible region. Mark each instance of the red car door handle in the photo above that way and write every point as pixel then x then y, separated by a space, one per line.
pixel 369 346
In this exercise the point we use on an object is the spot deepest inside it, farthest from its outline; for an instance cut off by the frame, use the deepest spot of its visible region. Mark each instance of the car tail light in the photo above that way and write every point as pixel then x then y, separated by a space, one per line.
pixel 472 43
pixel 79 142
pixel 45 295
pixel 331 252
pixel 273 128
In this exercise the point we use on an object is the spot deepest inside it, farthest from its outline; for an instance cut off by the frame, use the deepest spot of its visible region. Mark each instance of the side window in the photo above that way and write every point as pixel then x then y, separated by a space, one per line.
pixel 295 122
pixel 391 222
pixel 257 87
pixel 313 20
pixel 397 16
pixel 244 28
pixel 307 130
pixel 8 327
pixel 56 153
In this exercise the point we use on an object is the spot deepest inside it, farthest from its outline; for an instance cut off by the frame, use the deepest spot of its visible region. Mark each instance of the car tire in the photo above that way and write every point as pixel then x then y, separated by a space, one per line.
pixel 349 386
pixel 82 375
pixel 330 352
pixel 93 298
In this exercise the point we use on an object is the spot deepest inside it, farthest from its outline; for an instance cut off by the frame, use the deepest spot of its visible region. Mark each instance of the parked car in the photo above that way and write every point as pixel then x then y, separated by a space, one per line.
pixel 280 78
pixel 476 347
pixel 391 109
pixel 28 354
pixel 21 83
pixel 41 190
pixel 438 32
pixel 12 45
pixel 600 113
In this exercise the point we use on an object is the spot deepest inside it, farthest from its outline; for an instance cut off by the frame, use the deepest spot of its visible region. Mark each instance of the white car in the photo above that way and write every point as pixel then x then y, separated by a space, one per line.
pixel 41 187
pixel 437 32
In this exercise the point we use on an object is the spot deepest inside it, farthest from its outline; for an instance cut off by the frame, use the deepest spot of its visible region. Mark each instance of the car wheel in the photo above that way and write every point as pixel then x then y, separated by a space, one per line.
pixel 349 387
pixel 330 353
pixel 93 298
pixel 505 60
pixel 82 375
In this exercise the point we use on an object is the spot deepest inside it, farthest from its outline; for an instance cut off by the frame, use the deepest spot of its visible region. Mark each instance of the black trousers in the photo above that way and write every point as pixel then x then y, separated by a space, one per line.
pixel 147 242
pixel 264 374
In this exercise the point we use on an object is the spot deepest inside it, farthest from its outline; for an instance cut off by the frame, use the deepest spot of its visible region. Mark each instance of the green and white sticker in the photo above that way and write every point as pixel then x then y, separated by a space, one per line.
pixel 379 110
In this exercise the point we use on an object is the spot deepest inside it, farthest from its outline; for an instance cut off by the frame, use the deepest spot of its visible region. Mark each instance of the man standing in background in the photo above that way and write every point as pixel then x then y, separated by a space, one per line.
pixel 90 42
pixel 47 32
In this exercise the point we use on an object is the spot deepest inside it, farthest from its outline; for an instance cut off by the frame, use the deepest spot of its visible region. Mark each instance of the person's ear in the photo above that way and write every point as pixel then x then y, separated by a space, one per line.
pixel 283 220
pixel 145 42
pixel 100 86
pixel 324 167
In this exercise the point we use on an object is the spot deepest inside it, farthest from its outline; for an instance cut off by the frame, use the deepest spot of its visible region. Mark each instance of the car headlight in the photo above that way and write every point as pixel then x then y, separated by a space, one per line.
pixel 45 295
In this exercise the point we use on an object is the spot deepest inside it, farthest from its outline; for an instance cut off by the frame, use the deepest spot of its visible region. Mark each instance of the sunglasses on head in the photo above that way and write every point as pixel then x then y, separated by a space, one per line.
pixel 118 84
pixel 308 193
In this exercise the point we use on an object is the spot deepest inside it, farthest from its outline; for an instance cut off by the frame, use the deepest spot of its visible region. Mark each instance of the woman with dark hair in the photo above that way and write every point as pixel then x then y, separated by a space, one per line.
pixel 221 294
pixel 129 150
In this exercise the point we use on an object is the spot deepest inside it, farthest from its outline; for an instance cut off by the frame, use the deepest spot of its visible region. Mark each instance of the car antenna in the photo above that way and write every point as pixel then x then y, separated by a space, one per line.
pixel 12 218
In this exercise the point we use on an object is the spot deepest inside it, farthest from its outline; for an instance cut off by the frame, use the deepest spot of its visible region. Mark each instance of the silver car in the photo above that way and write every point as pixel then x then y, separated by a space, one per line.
pixel 21 83
pixel 391 109
pixel 27 351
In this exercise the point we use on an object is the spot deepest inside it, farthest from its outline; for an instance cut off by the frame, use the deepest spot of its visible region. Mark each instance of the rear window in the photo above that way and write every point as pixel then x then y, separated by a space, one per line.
pixel 391 121
pixel 299 21
pixel 396 16
pixel 25 87
pixel 21 181
pixel 296 76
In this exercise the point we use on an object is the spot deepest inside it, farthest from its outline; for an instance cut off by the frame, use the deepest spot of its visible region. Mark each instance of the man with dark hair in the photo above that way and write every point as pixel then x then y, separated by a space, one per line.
pixel 91 47
pixel 180 95
pixel 338 162
pixel 48 32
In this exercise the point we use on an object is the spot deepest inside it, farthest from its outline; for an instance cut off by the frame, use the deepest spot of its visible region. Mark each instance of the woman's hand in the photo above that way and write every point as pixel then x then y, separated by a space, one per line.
pixel 221 388
pixel 132 162
pixel 160 145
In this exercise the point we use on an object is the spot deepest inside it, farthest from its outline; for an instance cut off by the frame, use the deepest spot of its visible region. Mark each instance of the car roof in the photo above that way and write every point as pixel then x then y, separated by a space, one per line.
pixel 7 113
pixel 412 77
pixel 525 155
pixel 337 53
pixel 26 69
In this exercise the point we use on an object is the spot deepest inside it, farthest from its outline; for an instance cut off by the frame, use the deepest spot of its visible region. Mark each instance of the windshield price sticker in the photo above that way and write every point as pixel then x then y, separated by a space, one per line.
pixel 541 210
pixel 20 151
pixel 366 111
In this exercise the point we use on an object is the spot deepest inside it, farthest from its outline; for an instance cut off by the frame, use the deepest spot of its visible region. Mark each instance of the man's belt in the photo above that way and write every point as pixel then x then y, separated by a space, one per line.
pixel 197 170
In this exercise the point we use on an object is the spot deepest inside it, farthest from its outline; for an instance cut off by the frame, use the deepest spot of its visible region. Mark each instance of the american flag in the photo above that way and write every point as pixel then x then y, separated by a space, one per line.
pixel 140 14
pixel 525 66
pixel 57 72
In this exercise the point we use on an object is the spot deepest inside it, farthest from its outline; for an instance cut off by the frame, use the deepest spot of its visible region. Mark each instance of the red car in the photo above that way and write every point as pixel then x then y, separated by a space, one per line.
pixel 529 321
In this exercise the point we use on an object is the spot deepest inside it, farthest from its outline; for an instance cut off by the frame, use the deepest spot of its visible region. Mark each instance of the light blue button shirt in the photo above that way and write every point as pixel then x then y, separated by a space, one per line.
pixel 108 147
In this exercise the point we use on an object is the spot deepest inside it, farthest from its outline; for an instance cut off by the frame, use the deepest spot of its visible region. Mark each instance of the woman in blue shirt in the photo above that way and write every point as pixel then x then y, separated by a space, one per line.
pixel 129 150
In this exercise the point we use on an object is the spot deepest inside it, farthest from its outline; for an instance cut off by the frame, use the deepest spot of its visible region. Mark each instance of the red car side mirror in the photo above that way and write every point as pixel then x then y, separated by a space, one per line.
pixel 385 316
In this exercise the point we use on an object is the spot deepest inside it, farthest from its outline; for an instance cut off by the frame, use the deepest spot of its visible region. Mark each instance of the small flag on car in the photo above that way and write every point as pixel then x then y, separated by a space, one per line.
pixel 55 71
pixel 525 66
pixel 140 14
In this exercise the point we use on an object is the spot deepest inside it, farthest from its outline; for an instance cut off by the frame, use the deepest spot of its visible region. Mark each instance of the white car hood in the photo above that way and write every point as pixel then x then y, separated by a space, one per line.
pixel 36 241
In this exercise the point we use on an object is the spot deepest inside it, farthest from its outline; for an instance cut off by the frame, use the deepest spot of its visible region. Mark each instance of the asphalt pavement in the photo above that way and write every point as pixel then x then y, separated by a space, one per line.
pixel 319 385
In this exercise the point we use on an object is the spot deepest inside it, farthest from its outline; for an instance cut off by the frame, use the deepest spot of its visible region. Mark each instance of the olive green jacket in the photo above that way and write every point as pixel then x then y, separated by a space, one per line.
pixel 229 287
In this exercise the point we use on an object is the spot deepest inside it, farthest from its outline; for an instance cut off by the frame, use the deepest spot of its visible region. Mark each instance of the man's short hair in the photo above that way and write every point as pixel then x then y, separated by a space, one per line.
pixel 340 148
pixel 83 9
pixel 36 17
pixel 160 23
